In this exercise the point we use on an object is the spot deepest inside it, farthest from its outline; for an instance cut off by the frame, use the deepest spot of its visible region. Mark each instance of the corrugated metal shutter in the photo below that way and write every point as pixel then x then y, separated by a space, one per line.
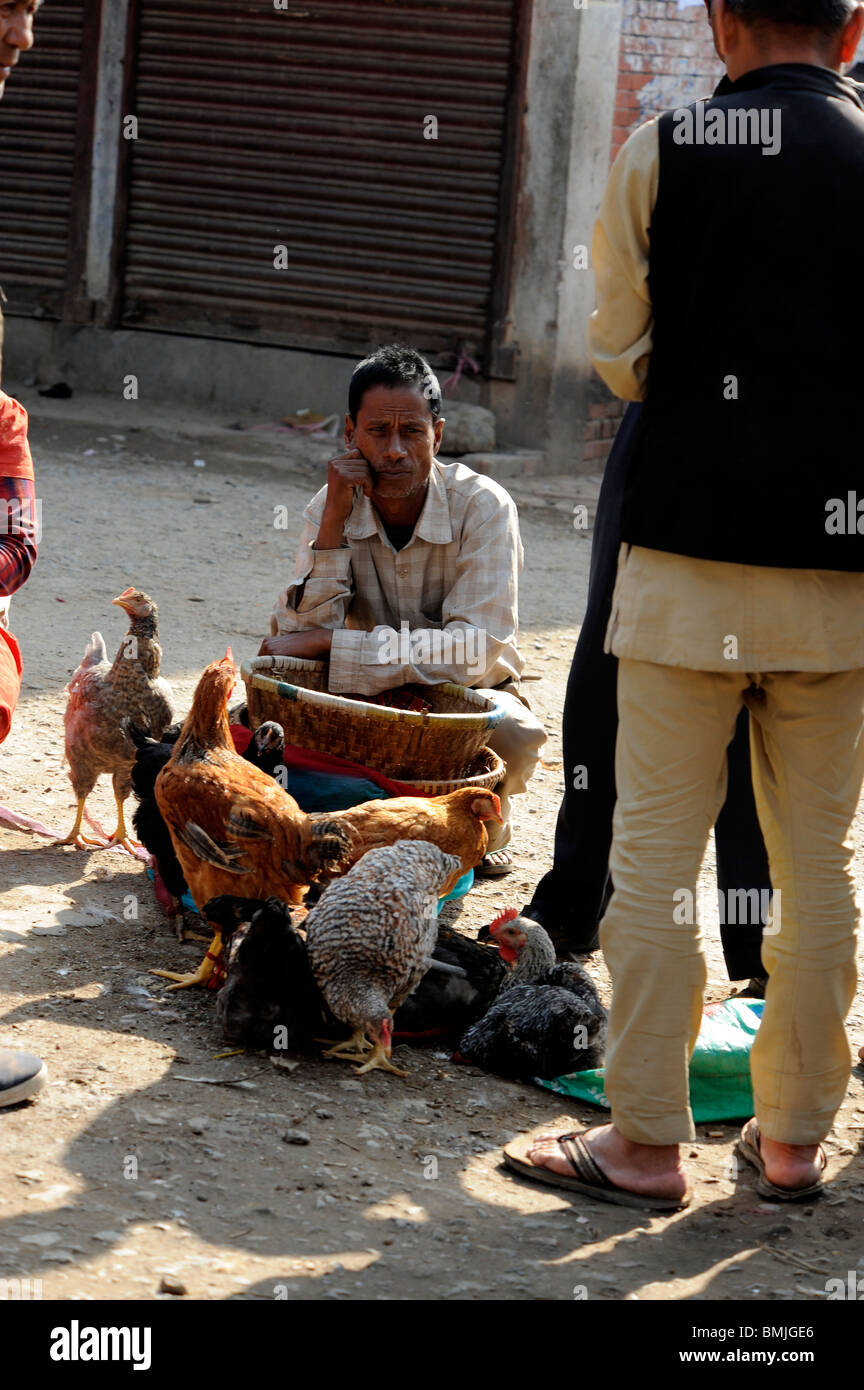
pixel 305 128
pixel 38 117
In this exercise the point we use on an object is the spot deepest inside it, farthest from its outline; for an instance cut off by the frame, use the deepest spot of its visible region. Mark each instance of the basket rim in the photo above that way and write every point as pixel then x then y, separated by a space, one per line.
pixel 498 768
pixel 487 719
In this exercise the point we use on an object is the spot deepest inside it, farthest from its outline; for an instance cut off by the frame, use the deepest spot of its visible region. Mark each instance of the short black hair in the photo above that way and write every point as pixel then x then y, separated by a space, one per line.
pixel 394 365
pixel 828 16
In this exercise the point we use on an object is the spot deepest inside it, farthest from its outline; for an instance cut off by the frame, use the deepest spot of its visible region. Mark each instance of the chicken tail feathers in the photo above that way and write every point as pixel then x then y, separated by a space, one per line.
pixel 95 651
pixel 328 845
pixel 94 654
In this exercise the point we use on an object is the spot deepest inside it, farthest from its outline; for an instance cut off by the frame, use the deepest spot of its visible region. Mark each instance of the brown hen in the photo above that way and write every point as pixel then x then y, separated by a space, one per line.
pixel 454 822
pixel 102 698
pixel 233 828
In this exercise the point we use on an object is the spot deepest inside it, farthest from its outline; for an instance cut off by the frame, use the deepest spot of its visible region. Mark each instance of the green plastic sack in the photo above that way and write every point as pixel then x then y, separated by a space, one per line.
pixel 720 1086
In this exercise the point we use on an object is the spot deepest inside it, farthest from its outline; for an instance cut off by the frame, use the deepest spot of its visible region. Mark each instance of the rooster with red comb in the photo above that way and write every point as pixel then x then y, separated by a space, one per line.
pixel 103 696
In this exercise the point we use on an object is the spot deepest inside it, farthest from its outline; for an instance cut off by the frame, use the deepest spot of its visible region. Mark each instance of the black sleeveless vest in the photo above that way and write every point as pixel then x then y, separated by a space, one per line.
pixel 751 446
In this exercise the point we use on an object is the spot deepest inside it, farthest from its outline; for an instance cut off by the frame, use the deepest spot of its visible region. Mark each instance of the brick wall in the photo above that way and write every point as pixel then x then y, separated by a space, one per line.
pixel 666 59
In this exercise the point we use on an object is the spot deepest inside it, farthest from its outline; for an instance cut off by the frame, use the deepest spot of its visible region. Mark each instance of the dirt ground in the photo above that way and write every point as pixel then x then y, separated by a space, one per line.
pixel 147 1158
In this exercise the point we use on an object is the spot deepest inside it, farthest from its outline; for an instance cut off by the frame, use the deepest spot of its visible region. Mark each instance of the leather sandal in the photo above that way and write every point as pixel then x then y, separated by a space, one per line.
pixel 587 1177
pixel 750 1149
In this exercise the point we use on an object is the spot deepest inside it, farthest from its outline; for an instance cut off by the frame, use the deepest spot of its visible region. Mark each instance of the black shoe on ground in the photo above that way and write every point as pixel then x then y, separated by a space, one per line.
pixel 22 1074
pixel 754 990
pixel 568 945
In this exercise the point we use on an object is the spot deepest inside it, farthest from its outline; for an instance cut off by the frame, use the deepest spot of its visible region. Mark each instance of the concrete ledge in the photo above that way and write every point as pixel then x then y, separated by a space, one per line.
pixel 248 379
pixel 519 465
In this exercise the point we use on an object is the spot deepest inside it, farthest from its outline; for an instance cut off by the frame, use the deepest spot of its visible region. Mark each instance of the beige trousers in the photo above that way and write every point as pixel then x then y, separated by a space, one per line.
pixel 807 747
pixel 518 740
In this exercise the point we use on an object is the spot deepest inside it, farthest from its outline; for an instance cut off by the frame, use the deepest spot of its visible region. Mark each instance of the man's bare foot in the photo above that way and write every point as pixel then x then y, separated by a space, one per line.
pixel 790 1165
pixel 648 1169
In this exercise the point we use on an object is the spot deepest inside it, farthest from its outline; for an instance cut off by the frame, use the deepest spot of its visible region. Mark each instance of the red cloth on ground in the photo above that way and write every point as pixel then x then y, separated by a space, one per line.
pixel 10 679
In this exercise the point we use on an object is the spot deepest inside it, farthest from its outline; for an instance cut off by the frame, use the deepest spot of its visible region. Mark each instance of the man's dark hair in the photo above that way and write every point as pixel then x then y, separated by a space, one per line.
pixel 394 365
pixel 828 16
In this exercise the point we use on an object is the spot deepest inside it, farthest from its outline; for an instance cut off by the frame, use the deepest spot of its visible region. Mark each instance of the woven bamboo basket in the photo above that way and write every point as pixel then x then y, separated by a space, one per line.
pixel 484 774
pixel 441 745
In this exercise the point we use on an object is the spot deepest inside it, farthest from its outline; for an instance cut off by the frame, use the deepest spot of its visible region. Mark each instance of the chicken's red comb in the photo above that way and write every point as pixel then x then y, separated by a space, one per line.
pixel 508 915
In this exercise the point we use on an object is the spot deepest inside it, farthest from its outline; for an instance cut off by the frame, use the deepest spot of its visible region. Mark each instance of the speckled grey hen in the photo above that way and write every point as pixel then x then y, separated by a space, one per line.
pixel 370 940
pixel 102 697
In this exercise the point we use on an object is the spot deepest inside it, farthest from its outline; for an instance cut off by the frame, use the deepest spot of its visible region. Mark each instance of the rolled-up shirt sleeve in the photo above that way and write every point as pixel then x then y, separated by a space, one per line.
pixel 321 592
pixel 620 328
pixel 18 533
pixel 19 506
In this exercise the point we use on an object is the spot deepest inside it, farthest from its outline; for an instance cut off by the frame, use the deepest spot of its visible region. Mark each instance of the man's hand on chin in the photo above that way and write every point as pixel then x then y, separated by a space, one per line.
pixel 313 643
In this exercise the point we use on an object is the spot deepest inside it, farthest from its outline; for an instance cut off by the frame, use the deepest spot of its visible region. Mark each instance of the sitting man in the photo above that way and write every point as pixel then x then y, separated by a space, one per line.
pixel 408 568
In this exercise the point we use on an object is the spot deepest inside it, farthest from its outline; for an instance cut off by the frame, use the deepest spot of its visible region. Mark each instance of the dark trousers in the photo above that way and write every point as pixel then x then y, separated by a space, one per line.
pixel 570 900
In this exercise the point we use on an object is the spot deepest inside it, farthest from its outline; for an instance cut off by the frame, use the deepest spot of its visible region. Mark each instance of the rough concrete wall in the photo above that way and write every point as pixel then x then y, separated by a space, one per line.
pixel 521 409
pixel 567 129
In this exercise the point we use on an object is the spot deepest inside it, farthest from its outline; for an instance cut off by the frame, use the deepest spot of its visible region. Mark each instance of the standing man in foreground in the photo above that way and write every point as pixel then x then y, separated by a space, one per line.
pixel 21 1074
pixel 723 301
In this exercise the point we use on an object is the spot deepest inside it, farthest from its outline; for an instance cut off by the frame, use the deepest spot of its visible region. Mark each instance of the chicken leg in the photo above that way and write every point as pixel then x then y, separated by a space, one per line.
pixel 201 975
pixel 379 1061
pixel 351 1049
pixel 121 835
pixel 357 1049
pixel 76 837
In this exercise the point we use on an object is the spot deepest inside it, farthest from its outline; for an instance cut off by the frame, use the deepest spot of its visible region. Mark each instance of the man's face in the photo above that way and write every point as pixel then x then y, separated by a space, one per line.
pixel 398 438
pixel 16 34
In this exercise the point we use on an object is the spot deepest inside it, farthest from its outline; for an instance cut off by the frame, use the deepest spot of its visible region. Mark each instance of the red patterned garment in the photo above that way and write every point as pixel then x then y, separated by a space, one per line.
pixel 19 529
pixel 18 510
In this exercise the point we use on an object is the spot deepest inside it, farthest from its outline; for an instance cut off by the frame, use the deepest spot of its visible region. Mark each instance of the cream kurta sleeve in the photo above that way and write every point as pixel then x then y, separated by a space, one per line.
pixel 619 330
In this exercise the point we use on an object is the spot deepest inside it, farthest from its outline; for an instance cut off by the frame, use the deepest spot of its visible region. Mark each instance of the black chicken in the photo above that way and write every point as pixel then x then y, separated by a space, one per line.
pixel 547 1020
pixel 270 999
pixel 265 750
pixel 151 756
pixel 444 1003
pixel 270 983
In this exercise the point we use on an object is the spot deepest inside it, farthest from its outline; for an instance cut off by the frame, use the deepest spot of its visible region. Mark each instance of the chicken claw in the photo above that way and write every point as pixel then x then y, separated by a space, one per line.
pixel 357 1049
pixel 77 837
pixel 350 1049
pixel 198 977
pixel 121 835
pixel 379 1061
pixel 81 841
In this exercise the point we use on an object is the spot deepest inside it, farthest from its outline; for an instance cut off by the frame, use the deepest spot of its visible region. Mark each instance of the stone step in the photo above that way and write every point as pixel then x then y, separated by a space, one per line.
pixel 522 464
